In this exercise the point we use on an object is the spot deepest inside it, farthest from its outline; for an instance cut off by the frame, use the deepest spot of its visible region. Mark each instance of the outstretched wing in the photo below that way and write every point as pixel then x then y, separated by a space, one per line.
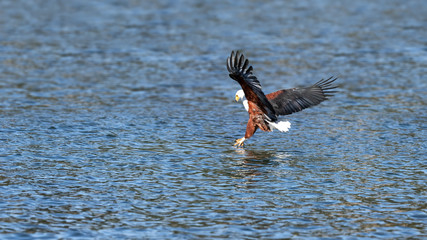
pixel 288 101
pixel 240 71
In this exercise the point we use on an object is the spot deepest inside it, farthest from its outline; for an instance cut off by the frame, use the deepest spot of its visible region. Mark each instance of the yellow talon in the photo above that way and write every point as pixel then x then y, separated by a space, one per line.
pixel 239 142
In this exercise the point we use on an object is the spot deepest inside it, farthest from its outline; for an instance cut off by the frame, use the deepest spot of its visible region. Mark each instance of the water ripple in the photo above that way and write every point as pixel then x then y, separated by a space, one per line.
pixel 118 119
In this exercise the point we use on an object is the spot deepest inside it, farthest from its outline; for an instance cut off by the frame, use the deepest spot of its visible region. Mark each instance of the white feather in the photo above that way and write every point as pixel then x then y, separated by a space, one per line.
pixel 246 105
pixel 282 126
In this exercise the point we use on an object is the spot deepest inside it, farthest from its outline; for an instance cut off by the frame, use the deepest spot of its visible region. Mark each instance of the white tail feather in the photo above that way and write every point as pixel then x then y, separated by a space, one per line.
pixel 282 126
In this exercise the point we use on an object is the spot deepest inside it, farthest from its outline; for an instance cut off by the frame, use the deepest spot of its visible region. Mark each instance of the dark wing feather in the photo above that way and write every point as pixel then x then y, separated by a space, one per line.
pixel 240 71
pixel 288 101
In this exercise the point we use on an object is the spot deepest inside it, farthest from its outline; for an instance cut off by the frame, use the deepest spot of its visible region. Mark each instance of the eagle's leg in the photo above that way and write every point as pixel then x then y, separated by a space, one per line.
pixel 251 127
pixel 239 142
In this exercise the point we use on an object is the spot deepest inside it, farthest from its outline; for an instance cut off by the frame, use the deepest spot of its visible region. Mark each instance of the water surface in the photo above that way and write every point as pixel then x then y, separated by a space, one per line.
pixel 117 120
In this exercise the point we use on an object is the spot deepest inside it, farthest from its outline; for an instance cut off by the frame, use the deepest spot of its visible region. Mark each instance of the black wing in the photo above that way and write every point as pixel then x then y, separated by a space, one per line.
pixel 288 101
pixel 240 71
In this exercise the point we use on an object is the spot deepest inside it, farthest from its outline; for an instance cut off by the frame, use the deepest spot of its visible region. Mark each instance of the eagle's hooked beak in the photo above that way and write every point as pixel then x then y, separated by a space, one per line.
pixel 237 98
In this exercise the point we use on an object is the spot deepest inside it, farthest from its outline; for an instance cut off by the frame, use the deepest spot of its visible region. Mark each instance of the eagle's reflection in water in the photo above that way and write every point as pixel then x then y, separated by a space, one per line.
pixel 254 163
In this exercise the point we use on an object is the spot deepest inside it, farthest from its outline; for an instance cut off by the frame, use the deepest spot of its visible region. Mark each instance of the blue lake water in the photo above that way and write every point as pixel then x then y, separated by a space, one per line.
pixel 117 120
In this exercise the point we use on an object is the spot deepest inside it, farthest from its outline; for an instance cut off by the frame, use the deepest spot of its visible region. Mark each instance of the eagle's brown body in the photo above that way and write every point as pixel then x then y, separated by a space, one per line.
pixel 256 120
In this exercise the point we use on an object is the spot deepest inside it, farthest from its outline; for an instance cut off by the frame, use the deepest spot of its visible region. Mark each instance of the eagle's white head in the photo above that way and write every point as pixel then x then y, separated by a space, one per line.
pixel 241 95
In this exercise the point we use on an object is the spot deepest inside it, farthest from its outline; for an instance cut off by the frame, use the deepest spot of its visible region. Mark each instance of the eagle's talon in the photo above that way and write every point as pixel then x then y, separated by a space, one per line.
pixel 240 142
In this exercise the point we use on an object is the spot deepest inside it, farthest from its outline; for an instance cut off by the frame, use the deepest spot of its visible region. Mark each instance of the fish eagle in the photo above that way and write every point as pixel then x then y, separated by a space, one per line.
pixel 264 109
